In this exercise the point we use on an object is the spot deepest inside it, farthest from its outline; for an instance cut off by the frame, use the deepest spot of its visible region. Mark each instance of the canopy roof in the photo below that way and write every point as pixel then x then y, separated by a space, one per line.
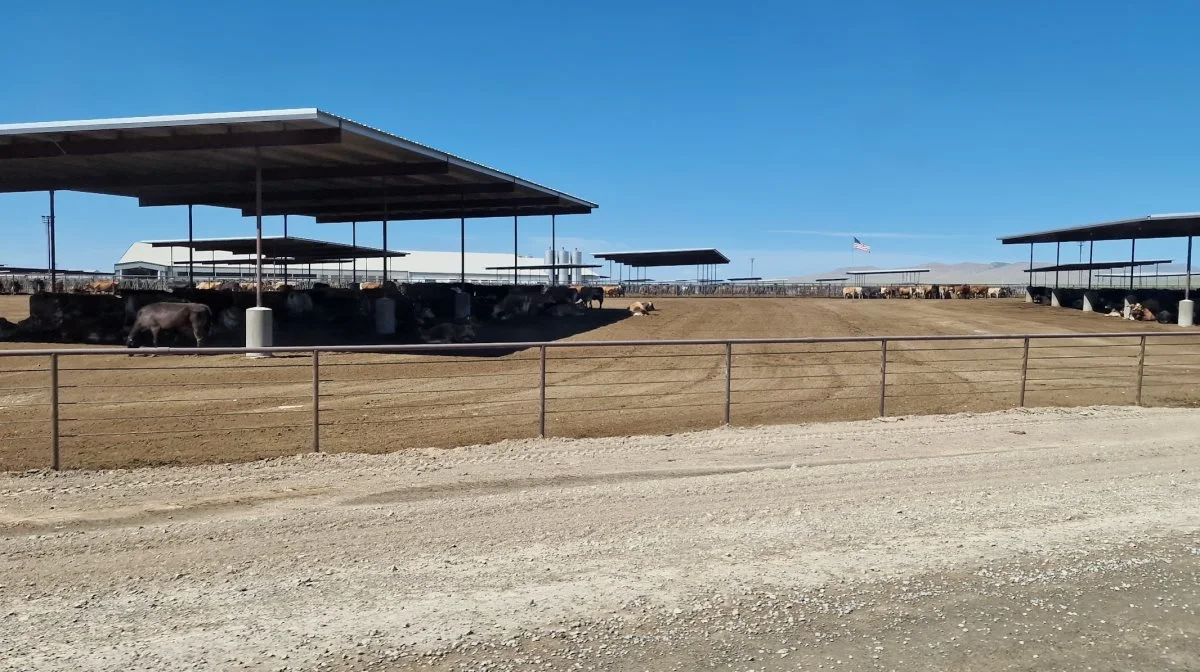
pixel 1177 225
pixel 1097 266
pixel 665 258
pixel 21 270
pixel 831 279
pixel 313 163
pixel 279 249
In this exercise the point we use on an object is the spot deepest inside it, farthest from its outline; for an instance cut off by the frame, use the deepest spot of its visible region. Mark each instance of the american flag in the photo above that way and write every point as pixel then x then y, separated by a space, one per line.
pixel 859 245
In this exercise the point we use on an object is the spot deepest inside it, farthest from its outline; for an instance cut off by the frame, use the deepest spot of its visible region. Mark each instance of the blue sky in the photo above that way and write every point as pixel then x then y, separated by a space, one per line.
pixel 773 130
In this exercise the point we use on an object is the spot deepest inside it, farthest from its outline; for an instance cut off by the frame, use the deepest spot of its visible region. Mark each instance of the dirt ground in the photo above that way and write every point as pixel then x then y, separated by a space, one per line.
pixel 1025 540
pixel 120 411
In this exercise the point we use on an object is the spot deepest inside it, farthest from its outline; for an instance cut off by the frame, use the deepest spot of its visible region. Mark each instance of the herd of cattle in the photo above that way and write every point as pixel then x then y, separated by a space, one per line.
pixel 926 292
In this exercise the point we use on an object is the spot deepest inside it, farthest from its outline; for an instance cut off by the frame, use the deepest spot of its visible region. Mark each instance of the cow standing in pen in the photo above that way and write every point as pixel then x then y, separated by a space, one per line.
pixel 156 318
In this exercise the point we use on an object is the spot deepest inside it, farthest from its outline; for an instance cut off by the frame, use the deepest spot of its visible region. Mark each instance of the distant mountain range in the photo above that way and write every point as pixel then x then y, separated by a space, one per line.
pixel 996 273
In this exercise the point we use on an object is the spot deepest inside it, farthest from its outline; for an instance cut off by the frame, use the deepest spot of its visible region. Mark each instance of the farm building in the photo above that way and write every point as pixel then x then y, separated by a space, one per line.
pixel 144 260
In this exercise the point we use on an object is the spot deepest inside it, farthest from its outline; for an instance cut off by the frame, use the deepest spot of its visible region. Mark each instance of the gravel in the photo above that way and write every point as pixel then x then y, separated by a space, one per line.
pixel 1038 539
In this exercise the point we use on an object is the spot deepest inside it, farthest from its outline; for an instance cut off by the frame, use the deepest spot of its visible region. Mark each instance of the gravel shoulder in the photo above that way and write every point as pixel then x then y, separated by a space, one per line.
pixel 648 544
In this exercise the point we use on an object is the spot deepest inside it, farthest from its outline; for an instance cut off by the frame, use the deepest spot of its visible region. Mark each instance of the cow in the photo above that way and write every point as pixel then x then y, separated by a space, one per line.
pixel 586 295
pixel 516 304
pixel 299 303
pixel 613 291
pixel 996 293
pixel 1139 313
pixel 370 285
pixel 98 287
pixel 852 292
pixel 163 316
pixel 904 292
pixel 639 308
pixel 210 285
pixel 446 332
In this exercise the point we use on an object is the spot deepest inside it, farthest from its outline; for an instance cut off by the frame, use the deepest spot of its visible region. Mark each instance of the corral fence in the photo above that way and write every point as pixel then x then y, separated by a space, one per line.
pixel 95 408
pixel 820 290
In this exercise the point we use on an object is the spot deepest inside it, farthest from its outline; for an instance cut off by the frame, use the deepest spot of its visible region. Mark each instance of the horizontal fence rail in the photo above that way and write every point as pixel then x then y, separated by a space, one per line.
pixel 99 407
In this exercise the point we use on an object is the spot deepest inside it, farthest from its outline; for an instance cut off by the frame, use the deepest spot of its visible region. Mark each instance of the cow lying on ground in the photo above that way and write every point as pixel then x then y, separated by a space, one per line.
pixel 178 317
pixel 641 307
pixel 98 287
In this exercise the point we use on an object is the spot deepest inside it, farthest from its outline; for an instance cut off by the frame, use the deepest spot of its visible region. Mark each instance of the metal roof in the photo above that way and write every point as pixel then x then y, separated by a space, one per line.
pixel 831 279
pixel 20 270
pixel 1144 276
pixel 1097 266
pixel 665 257
pixel 313 163
pixel 1175 225
pixel 287 249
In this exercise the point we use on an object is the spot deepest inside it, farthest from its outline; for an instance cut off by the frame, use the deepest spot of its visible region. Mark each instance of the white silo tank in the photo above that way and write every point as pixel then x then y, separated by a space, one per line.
pixel 577 273
pixel 564 274
pixel 549 261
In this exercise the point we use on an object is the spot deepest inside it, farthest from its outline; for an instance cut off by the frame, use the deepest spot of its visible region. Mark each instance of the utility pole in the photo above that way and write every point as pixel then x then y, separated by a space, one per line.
pixel 752 267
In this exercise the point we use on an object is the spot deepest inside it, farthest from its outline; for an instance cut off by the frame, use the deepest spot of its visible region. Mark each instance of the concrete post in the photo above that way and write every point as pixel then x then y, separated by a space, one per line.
pixel 259 330
pixel 385 316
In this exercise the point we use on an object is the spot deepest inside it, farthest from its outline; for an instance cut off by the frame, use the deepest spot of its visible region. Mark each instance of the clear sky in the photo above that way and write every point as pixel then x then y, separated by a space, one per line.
pixel 773 130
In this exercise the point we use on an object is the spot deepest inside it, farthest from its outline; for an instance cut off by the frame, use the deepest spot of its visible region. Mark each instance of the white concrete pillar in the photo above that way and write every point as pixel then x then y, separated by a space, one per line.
pixel 1054 298
pixel 1090 299
pixel 385 316
pixel 260 325
pixel 1187 312
pixel 1029 295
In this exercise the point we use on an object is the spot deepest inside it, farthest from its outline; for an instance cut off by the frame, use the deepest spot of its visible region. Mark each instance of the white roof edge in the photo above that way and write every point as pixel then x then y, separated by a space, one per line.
pixel 889 270
pixel 298 114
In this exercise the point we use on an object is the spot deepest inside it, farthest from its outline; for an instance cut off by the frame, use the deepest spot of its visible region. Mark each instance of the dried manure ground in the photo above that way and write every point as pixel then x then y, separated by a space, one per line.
pixel 127 411
pixel 1024 540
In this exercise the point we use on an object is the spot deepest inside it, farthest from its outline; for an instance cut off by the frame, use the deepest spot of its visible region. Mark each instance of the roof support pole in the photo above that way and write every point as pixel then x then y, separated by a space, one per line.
pixel 462 251
pixel 1187 287
pixel 1057 262
pixel 553 246
pixel 1133 250
pixel 354 244
pixel 514 249
pixel 258 208
pixel 191 261
pixel 285 263
pixel 1091 252
pixel 1031 264
pixel 385 228
pixel 53 247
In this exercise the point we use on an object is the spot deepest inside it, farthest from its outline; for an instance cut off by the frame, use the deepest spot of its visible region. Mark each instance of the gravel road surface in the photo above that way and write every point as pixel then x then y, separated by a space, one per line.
pixel 1047 539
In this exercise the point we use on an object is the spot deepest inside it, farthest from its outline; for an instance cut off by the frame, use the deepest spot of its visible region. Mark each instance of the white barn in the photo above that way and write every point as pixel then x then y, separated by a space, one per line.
pixel 142 260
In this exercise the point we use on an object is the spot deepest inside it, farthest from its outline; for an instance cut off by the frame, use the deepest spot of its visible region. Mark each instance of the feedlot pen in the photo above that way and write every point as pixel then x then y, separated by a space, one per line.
pixel 874 358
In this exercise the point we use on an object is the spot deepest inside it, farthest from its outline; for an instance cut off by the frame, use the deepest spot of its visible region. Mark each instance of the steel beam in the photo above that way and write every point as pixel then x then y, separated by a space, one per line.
pixel 293 197
pixel 420 206
pixel 456 213
pixel 203 179
pixel 43 149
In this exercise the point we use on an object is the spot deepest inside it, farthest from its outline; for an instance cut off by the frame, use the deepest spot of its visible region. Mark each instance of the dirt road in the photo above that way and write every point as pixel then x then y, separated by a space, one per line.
pixel 1022 540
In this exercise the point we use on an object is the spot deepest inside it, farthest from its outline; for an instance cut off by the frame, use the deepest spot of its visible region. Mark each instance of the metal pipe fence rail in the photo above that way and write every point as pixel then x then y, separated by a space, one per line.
pixel 90 408
pixel 817 290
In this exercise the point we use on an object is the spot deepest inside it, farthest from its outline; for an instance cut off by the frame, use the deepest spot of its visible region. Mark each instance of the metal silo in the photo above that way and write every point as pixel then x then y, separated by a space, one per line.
pixel 549 261
pixel 564 274
pixel 577 273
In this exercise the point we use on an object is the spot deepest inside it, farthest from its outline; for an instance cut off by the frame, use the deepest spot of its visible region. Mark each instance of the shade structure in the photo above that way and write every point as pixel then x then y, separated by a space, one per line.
pixel 648 259
pixel 313 163
pixel 540 267
pixel 282 249
pixel 1178 225
pixel 1097 266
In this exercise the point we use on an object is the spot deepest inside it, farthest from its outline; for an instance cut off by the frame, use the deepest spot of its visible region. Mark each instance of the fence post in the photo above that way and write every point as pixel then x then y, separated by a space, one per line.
pixel 882 377
pixel 728 380
pixel 542 391
pixel 1141 367
pixel 1024 372
pixel 55 463
pixel 316 401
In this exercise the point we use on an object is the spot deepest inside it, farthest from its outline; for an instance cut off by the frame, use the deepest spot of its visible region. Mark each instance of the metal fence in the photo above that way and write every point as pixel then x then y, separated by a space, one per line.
pixel 103 408
pixel 820 290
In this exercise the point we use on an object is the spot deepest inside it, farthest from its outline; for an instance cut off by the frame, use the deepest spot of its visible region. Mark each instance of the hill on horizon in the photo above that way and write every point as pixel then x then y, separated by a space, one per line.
pixel 996 272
